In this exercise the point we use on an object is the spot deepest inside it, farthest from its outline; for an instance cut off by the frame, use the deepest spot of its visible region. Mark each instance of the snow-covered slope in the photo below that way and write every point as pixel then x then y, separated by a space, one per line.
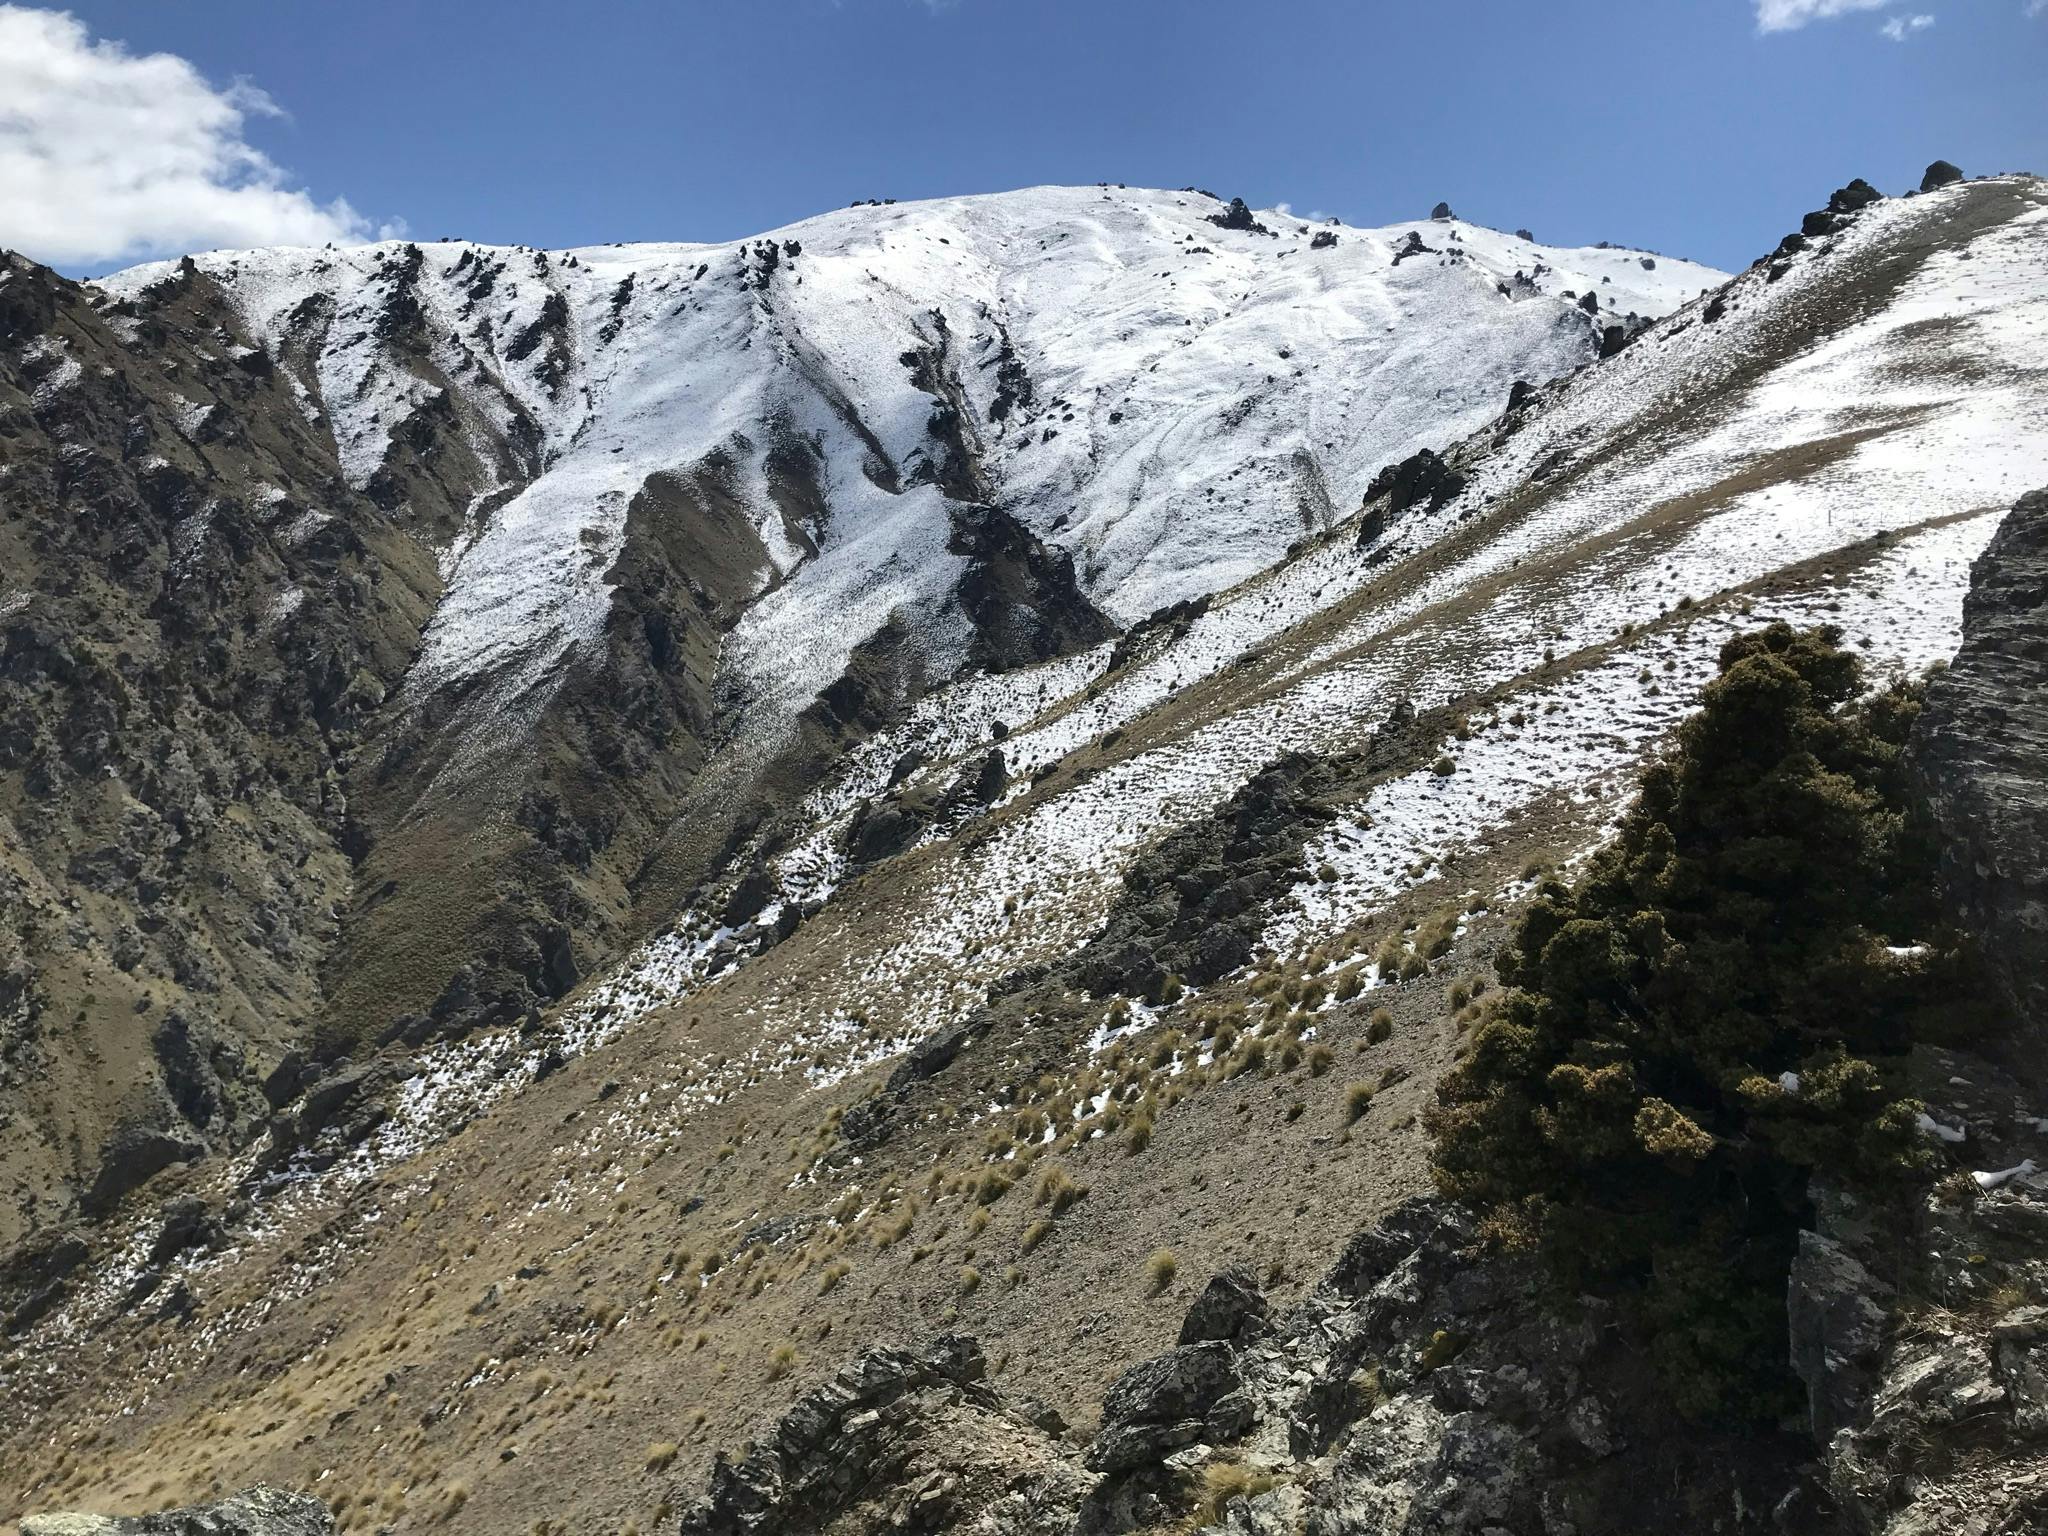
pixel 1172 401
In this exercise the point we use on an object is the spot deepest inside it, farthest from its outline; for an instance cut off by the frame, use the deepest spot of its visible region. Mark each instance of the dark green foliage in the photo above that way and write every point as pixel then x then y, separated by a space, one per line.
pixel 1622 1111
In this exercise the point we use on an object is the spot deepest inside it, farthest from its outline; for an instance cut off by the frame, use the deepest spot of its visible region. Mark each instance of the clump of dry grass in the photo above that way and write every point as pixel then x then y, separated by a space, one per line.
pixel 1057 1189
pixel 660 1454
pixel 1160 1268
pixel 781 1361
pixel 1223 1481
pixel 1357 1100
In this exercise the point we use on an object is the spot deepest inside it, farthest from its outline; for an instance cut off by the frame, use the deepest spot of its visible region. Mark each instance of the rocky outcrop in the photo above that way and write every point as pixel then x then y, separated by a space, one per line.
pixel 1020 594
pixel 1421 479
pixel 1191 908
pixel 1237 216
pixel 1979 752
pixel 1412 245
pixel 1924 1355
pixel 259 1511
pixel 1844 203
pixel 1938 175
pixel 898 1440
pixel 1428 1387
pixel 202 621
pixel 1191 1393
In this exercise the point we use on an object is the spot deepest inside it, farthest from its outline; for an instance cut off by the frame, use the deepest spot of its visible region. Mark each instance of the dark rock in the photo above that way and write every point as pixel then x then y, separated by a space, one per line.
pixel 991 778
pixel 1421 478
pixel 1837 1325
pixel 185 1222
pixel 282 1085
pixel 1442 211
pixel 849 1455
pixel 1237 216
pixel 1844 203
pixel 755 890
pixel 135 1155
pixel 1162 1404
pixel 882 831
pixel 1411 245
pixel 1021 594
pixel 1231 1308
pixel 1939 174
pixel 35 1273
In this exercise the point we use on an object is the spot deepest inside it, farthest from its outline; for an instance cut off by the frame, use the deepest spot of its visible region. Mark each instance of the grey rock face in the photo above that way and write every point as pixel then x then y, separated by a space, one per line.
pixel 1979 752
pixel 1942 1426
pixel 899 1439
pixel 1837 1330
pixel 258 1511
pixel 1160 1405
pixel 1230 1307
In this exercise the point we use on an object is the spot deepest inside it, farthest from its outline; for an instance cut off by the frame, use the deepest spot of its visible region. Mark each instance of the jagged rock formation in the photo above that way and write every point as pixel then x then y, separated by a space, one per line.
pixel 1979 751
pixel 1915 1332
pixel 1422 479
pixel 253 1512
pixel 900 1440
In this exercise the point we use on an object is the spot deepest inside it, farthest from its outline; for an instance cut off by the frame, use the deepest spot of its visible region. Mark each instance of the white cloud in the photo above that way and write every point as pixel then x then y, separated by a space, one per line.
pixel 105 154
pixel 1787 15
pixel 2036 7
pixel 1899 28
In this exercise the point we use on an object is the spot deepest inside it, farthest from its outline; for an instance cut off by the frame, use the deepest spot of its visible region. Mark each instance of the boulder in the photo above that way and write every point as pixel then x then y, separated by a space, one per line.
pixel 1421 478
pixel 1231 1308
pixel 1162 1404
pixel 1939 174
pixel 1237 216
pixel 1442 211
pixel 35 1272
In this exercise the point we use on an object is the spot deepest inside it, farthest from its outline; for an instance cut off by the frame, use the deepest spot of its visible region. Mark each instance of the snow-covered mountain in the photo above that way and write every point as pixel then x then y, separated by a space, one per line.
pixel 1186 908
pixel 1171 400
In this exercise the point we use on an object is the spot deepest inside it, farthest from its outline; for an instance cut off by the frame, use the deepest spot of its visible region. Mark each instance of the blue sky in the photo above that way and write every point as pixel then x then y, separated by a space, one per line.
pixel 1697 127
